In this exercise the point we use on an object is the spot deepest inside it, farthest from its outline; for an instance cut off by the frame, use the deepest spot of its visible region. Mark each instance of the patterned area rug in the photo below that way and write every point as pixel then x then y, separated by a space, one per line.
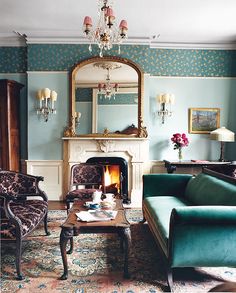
pixel 96 264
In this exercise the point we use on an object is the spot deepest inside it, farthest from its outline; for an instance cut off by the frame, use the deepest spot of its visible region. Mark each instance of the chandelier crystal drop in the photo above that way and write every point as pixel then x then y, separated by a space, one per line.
pixel 106 33
pixel 108 89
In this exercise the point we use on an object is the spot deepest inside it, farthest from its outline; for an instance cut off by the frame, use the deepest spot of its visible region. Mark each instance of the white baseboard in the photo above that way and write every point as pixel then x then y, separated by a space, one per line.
pixel 51 170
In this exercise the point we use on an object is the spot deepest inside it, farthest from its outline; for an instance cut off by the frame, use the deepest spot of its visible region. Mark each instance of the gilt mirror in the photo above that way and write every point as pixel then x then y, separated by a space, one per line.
pixel 106 98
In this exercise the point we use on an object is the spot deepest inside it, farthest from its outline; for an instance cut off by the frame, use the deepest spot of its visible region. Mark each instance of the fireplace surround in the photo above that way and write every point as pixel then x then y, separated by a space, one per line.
pixel 134 150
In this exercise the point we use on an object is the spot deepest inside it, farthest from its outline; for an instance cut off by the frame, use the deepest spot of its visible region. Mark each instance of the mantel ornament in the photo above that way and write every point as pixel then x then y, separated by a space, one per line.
pixel 106 145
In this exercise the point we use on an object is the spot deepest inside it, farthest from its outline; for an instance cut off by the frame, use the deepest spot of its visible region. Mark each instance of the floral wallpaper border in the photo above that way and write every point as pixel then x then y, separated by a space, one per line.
pixel 160 62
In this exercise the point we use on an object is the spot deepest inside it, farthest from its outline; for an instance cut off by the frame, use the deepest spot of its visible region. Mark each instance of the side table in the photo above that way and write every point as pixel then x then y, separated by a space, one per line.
pixel 172 166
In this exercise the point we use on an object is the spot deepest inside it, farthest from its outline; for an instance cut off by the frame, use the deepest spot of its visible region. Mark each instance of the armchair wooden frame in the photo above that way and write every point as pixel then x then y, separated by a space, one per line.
pixel 11 202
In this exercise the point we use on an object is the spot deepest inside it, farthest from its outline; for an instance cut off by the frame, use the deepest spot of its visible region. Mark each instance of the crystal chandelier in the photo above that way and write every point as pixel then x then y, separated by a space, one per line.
pixel 107 89
pixel 106 33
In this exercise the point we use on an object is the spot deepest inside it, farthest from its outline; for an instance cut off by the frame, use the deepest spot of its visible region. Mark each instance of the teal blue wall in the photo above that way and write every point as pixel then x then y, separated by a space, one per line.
pixel 190 93
pixel 116 117
pixel 49 65
pixel 85 124
pixel 44 138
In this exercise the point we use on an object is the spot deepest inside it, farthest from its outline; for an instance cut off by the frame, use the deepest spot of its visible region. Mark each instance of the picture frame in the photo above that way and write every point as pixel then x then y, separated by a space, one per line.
pixel 203 120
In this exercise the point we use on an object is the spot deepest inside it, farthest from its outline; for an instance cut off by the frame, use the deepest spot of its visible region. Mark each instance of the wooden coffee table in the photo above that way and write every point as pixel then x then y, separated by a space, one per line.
pixel 73 227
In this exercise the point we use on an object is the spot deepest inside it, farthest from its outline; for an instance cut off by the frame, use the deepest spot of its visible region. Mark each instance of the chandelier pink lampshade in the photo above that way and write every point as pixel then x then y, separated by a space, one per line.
pixel 110 12
pixel 123 24
pixel 106 33
pixel 88 20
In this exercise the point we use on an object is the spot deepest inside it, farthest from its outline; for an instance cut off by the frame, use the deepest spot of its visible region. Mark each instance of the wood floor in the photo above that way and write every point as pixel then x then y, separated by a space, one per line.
pixel 56 205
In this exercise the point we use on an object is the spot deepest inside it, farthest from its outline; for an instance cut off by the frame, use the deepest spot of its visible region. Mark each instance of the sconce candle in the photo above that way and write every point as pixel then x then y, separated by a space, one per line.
pixel 164 100
pixel 77 118
pixel 46 99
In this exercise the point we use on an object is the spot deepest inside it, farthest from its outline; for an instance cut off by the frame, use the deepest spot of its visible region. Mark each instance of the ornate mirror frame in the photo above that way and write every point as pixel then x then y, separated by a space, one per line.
pixel 70 129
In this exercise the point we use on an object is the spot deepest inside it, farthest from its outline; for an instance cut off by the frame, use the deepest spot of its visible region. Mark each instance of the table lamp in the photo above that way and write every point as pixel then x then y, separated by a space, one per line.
pixel 223 135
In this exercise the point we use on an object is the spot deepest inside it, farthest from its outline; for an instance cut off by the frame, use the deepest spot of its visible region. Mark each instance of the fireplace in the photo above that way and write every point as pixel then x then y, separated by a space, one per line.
pixel 116 175
pixel 134 151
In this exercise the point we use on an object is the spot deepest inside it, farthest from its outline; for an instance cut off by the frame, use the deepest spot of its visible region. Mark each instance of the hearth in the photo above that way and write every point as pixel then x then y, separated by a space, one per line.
pixel 116 175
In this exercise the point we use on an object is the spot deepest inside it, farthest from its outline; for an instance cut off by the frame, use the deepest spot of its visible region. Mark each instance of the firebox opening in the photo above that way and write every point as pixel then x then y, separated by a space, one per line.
pixel 112 178
pixel 118 180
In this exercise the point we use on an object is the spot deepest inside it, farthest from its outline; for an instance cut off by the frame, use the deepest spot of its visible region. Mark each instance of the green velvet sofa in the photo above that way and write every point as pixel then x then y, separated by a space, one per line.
pixel 193 219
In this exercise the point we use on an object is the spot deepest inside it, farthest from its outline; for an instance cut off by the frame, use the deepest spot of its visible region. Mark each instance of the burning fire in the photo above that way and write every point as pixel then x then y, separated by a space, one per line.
pixel 107 177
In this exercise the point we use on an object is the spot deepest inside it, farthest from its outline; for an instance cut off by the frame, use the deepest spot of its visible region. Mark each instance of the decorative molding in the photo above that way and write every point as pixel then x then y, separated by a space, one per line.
pixel 198 46
pixel 190 77
pixel 51 170
pixel 52 38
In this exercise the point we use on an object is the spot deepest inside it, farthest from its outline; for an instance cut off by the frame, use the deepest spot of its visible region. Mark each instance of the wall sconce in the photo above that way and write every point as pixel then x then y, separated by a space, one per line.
pixel 165 100
pixel 47 99
pixel 77 118
pixel 223 135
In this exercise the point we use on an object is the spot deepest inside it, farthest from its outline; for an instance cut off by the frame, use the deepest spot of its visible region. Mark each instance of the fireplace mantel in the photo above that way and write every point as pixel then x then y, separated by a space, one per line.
pixel 134 150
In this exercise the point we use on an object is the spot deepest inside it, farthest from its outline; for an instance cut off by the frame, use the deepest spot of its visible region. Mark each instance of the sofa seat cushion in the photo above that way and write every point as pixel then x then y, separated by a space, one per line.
pixel 159 208
pixel 28 212
pixel 208 190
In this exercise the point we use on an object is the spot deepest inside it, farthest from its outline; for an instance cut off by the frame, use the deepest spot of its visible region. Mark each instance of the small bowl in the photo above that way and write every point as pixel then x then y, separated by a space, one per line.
pixel 94 206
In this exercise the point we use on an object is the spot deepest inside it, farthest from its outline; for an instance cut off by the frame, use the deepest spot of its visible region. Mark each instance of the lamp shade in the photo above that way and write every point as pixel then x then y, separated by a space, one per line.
pixel 222 134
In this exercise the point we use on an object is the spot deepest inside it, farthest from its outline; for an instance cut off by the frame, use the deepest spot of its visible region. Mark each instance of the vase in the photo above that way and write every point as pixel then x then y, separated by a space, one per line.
pixel 180 154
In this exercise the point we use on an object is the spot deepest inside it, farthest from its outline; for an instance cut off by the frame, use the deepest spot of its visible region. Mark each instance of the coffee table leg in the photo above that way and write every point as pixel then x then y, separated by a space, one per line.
pixel 126 236
pixel 71 246
pixel 65 235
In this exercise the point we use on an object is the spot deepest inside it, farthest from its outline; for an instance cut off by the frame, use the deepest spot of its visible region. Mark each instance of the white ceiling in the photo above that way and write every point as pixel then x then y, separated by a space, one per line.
pixel 180 23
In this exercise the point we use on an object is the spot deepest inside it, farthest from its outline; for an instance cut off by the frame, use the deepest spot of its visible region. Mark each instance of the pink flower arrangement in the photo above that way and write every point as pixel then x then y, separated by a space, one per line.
pixel 179 140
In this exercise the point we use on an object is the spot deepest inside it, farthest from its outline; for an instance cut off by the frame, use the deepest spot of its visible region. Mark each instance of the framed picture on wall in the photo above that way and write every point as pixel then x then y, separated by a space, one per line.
pixel 203 120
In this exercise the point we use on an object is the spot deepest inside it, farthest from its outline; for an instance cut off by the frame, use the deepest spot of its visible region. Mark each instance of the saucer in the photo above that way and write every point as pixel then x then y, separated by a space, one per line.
pixel 92 205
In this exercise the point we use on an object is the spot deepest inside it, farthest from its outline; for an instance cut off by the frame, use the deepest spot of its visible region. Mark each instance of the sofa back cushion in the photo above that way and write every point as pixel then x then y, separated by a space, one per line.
pixel 209 190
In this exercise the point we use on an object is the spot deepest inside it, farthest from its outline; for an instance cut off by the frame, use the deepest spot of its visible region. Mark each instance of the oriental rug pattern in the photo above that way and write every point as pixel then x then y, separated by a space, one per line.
pixel 96 264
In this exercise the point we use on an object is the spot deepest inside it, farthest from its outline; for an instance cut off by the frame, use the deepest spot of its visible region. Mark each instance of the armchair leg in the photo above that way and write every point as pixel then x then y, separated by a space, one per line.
pixel 67 206
pixel 170 279
pixel 46 224
pixel 18 258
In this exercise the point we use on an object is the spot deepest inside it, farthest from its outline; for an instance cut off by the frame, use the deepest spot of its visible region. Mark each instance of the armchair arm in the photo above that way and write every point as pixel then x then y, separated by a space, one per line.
pixel 202 236
pixel 165 184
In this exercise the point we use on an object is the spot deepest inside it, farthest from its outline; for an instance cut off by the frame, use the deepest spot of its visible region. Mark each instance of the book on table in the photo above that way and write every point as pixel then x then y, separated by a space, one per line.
pixel 96 215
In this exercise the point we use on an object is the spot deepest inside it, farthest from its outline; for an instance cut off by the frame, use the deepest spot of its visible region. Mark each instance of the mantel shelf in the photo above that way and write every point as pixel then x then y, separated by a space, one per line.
pixel 105 138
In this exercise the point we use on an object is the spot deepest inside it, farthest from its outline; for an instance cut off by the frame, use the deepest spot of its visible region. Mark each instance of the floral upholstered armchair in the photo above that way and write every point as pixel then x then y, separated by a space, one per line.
pixel 20 215
pixel 88 176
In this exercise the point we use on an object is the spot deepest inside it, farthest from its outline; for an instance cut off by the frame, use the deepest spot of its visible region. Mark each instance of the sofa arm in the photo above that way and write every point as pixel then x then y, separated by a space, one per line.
pixel 165 184
pixel 201 236
pixel 204 215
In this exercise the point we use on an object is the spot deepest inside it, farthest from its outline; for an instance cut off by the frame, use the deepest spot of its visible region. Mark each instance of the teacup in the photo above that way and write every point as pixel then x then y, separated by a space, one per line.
pixel 109 196
pixel 96 196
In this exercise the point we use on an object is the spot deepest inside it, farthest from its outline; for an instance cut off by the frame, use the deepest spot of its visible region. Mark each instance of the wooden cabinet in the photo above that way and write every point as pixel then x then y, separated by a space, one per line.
pixel 10 125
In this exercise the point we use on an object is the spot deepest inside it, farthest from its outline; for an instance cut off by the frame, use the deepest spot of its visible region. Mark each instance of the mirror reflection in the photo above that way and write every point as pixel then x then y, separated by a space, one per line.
pixel 106 97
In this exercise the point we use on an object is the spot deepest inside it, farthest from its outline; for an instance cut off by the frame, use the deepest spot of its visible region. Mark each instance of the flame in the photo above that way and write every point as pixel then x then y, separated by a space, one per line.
pixel 107 177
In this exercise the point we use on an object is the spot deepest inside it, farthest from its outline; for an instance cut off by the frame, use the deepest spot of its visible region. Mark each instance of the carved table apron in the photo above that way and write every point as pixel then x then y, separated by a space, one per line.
pixel 72 227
